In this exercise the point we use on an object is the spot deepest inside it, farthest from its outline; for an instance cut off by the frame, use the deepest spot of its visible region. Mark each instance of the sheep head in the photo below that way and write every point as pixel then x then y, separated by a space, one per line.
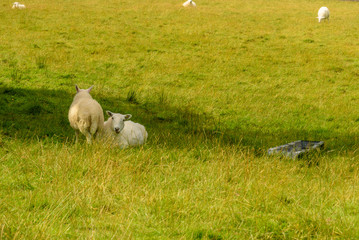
pixel 118 121
pixel 82 90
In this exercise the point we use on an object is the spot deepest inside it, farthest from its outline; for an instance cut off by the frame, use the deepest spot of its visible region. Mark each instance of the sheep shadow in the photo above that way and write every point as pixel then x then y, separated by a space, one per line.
pixel 42 113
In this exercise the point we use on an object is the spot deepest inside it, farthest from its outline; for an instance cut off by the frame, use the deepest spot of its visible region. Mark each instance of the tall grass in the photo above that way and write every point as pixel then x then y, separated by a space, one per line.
pixel 215 86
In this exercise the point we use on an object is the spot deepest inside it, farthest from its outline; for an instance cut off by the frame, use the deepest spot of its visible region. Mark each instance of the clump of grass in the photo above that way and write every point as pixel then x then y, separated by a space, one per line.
pixel 41 62
pixel 15 74
pixel 33 109
pixel 162 97
pixel 308 40
pixel 132 97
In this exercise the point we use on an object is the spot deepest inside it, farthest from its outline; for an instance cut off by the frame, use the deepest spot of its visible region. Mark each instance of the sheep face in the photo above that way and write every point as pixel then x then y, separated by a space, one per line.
pixel 118 121
pixel 15 4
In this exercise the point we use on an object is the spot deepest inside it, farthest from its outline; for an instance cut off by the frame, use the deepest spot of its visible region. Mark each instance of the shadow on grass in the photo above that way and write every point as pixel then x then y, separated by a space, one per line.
pixel 26 113
pixel 42 113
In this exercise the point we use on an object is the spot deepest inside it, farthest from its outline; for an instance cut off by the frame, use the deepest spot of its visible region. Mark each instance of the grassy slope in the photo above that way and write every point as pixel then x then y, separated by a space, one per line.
pixel 215 86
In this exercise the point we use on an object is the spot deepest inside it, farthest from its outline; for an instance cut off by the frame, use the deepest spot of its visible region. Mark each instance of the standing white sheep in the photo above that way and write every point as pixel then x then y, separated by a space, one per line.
pixel 86 114
pixel 122 132
pixel 323 13
pixel 189 3
pixel 18 5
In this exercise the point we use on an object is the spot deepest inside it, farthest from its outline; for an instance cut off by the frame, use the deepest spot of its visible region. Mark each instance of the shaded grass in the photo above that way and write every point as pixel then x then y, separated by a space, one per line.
pixel 45 115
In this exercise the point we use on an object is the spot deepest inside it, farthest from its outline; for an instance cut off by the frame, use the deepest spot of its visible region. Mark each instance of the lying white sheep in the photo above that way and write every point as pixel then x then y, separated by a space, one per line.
pixel 86 114
pixel 189 3
pixel 323 13
pixel 18 5
pixel 120 131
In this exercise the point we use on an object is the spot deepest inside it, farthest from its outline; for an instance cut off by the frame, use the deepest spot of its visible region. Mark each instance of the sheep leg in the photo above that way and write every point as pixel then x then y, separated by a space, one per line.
pixel 77 133
pixel 88 137
pixel 87 134
pixel 96 135
pixel 123 145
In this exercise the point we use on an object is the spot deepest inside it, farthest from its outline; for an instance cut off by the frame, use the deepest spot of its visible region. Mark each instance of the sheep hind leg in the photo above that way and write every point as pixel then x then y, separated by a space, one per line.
pixel 77 133
pixel 87 134
pixel 88 137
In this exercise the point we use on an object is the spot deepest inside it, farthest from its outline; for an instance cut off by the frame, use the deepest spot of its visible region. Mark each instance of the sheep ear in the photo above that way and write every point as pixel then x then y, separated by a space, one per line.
pixel 77 88
pixel 127 117
pixel 89 90
pixel 109 113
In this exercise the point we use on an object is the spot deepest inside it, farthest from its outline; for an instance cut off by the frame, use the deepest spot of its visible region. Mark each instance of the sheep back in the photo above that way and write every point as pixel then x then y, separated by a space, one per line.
pixel 86 114
pixel 133 134
pixel 323 13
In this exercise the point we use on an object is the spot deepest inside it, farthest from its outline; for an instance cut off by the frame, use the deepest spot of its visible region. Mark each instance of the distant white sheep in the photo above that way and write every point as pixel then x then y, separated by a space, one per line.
pixel 189 3
pixel 18 5
pixel 86 114
pixel 323 13
pixel 120 131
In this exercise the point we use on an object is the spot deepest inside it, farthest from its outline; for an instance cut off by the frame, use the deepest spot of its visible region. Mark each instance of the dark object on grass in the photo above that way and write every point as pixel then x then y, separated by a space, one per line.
pixel 296 149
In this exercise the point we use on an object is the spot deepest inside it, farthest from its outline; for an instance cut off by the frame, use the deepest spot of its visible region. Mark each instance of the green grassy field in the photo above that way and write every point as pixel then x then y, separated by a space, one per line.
pixel 215 86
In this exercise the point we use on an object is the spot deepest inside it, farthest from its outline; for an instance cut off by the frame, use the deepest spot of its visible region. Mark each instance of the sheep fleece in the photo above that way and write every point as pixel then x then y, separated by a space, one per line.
pixel 86 114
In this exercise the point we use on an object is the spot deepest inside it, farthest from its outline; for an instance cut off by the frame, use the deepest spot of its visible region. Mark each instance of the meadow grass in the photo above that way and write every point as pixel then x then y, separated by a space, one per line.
pixel 215 86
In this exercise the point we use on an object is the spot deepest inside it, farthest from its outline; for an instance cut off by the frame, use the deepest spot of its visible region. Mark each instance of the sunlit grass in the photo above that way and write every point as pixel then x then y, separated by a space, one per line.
pixel 215 86
pixel 60 190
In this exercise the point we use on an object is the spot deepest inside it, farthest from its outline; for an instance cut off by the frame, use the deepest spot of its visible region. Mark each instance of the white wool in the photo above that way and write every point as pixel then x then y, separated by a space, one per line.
pixel 323 13
pixel 122 132
pixel 189 3
pixel 18 5
pixel 85 114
